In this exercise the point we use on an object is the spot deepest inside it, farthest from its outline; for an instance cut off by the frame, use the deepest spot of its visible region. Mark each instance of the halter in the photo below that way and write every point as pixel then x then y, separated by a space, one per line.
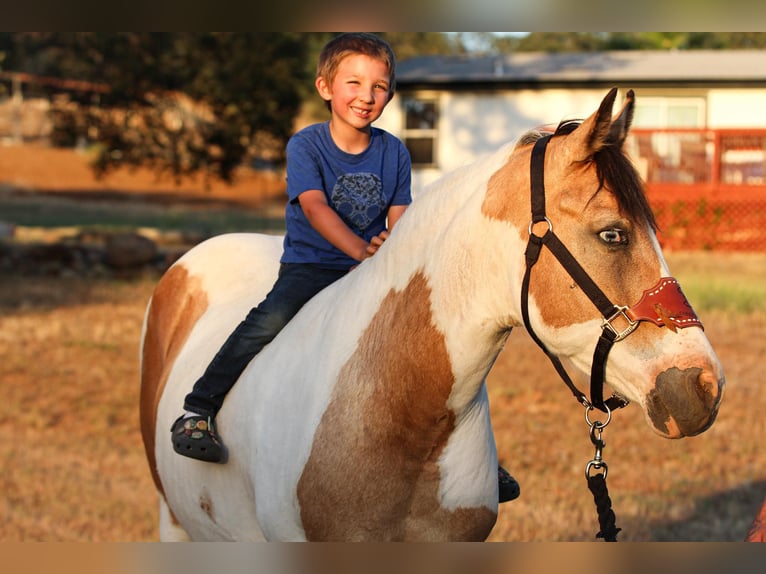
pixel 664 304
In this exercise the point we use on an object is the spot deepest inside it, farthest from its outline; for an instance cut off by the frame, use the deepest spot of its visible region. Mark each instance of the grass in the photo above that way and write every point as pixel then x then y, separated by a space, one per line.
pixel 70 394
pixel 724 295
pixel 31 210
pixel 735 284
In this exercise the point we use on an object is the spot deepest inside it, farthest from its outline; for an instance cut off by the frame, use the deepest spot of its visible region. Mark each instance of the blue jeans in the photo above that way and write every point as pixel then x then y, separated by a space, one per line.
pixel 295 285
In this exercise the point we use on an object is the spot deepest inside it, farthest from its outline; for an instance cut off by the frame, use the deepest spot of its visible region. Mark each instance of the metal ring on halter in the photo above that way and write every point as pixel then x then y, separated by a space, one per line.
pixel 533 222
pixel 598 465
pixel 598 424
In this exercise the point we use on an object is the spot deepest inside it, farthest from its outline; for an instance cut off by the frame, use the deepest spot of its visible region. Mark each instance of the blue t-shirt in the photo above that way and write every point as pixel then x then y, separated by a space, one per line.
pixel 359 187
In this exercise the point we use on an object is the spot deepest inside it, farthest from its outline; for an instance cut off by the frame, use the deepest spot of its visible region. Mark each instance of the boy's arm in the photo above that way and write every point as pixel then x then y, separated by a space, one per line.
pixel 394 213
pixel 328 223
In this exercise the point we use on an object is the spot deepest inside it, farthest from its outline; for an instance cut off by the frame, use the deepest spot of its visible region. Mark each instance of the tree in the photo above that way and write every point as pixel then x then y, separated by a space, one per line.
pixel 411 44
pixel 177 102
pixel 600 41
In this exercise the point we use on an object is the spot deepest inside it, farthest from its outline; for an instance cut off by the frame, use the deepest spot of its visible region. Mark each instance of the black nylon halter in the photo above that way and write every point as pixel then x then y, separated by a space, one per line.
pixel 581 277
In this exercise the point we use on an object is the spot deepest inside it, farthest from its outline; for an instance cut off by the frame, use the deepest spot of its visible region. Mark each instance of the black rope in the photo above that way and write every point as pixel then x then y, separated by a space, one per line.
pixel 606 517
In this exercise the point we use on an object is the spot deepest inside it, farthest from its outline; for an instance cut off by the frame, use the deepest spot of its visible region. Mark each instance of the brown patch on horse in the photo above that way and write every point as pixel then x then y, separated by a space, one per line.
pixel 206 504
pixel 373 471
pixel 177 303
pixel 508 199
pixel 604 188
pixel 173 520
pixel 757 531
pixel 503 200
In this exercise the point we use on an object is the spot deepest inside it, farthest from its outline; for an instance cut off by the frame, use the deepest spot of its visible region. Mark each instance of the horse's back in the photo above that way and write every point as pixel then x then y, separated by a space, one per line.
pixel 194 307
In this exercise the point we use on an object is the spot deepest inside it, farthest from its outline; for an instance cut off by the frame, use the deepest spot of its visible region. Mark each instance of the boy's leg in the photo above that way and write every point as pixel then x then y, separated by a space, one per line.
pixel 295 285
pixel 261 325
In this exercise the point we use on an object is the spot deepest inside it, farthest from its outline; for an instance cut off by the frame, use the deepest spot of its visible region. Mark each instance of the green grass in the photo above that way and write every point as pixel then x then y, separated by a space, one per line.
pixel 724 294
pixel 33 212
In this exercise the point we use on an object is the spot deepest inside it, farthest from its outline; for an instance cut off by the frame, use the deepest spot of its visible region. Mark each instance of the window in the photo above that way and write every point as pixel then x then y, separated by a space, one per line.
pixel 420 130
pixel 670 112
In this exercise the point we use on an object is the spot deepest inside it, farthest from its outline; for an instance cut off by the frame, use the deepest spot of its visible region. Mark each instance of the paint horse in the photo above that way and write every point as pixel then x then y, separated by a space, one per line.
pixel 367 417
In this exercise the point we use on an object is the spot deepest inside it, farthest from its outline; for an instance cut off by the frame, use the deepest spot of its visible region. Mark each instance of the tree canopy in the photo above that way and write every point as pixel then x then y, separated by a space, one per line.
pixel 179 102
pixel 601 41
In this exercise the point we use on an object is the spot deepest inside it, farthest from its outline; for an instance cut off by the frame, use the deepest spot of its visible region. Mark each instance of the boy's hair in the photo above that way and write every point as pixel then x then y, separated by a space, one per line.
pixel 351 43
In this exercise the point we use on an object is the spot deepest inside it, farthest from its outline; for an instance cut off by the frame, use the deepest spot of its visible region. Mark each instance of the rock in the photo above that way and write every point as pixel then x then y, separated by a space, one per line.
pixel 7 230
pixel 128 250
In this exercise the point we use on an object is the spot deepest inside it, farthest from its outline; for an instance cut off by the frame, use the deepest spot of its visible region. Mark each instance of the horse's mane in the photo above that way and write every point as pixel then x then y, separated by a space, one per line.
pixel 614 169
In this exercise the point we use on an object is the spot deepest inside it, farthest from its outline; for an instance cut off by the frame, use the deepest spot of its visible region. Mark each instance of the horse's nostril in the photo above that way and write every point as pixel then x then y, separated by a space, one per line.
pixel 708 389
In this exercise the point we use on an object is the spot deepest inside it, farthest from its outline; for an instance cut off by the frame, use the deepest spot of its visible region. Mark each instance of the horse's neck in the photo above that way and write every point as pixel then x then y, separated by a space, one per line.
pixel 443 259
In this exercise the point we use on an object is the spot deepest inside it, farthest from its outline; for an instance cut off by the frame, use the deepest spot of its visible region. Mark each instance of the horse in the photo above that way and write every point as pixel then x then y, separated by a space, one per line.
pixel 367 417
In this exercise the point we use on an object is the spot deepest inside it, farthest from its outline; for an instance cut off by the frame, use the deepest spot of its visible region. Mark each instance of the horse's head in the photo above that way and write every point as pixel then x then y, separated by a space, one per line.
pixel 594 208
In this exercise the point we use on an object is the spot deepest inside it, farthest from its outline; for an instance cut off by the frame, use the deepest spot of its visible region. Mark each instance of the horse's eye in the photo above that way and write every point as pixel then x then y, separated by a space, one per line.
pixel 614 236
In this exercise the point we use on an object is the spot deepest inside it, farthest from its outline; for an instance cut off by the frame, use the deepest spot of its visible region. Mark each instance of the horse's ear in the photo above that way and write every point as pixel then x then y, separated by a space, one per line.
pixel 595 132
pixel 621 124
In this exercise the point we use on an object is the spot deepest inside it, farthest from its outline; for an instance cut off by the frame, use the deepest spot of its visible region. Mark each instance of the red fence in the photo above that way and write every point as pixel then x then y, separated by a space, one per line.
pixel 707 187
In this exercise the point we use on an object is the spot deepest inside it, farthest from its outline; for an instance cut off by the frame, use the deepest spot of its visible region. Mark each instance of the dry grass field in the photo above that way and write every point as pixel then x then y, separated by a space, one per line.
pixel 74 468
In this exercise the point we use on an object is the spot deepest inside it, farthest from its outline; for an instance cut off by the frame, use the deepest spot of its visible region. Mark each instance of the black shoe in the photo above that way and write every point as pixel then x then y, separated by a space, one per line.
pixel 195 437
pixel 508 488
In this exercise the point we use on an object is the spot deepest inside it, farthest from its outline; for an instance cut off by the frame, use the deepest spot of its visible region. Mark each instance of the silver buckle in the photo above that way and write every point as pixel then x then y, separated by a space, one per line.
pixel 620 334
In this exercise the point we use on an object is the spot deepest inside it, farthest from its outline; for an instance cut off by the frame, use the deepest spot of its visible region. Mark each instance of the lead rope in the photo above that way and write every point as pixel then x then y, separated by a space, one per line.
pixel 597 481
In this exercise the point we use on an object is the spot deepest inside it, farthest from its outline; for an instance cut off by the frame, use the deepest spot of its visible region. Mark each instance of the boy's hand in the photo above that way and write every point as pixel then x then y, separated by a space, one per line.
pixel 376 242
pixel 329 224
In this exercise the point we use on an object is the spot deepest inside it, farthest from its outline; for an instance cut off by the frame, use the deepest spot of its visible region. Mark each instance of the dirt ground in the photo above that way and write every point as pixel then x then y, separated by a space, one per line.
pixel 75 467
pixel 67 172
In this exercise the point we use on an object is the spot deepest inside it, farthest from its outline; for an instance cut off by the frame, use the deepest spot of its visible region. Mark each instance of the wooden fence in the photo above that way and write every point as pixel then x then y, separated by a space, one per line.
pixel 707 186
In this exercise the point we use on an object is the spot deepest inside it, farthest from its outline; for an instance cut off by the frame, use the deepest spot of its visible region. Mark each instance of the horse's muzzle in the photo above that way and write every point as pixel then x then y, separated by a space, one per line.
pixel 684 402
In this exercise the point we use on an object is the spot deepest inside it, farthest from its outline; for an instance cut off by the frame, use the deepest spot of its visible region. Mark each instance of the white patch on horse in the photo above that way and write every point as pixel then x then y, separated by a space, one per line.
pixel 467 479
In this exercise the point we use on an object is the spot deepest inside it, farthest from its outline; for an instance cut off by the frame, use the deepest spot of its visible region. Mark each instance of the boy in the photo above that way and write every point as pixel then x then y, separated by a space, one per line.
pixel 345 181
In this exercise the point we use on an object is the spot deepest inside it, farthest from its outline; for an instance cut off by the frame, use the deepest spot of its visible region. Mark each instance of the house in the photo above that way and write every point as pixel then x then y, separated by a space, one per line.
pixel 450 110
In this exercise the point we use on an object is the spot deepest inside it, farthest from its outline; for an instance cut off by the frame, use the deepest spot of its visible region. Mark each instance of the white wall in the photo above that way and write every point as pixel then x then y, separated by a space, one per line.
pixel 474 125
pixel 737 108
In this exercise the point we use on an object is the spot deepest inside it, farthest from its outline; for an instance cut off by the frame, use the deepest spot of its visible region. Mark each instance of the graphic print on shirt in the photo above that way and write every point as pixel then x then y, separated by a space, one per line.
pixel 358 198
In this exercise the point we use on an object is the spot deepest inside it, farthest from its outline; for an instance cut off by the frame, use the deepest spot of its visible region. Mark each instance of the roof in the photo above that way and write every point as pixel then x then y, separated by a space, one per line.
pixel 638 66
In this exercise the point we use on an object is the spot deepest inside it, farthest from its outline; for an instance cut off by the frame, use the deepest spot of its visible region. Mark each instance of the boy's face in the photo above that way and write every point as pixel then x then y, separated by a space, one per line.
pixel 359 92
